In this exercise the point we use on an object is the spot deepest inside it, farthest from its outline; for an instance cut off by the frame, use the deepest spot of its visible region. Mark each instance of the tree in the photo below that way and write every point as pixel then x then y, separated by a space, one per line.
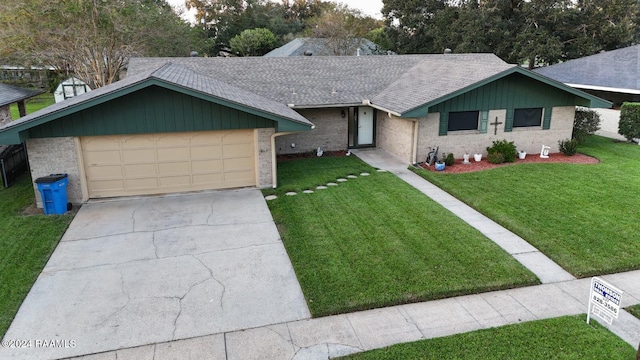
pixel 586 123
pixel 254 42
pixel 536 32
pixel 91 39
pixel 343 28
pixel 629 125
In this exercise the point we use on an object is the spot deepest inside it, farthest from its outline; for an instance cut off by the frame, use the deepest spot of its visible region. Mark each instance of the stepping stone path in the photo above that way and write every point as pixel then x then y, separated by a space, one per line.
pixel 321 187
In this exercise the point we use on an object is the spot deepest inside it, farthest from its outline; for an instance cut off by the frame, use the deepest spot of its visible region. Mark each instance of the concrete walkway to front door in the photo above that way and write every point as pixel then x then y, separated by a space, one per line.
pixel 137 271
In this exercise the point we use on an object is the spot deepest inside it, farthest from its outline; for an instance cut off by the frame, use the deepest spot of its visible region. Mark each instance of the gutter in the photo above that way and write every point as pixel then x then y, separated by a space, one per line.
pixel 389 112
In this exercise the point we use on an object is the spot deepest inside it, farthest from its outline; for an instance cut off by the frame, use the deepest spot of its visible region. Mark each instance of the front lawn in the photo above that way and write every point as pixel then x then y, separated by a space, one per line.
pixel 25 246
pixel 567 337
pixel 584 217
pixel 376 241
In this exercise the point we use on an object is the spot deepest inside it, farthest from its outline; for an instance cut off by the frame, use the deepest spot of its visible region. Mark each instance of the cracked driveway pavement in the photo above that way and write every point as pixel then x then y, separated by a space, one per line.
pixel 138 271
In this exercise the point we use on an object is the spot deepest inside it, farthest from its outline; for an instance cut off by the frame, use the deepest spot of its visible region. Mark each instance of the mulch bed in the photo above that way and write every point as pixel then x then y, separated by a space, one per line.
pixel 311 154
pixel 459 167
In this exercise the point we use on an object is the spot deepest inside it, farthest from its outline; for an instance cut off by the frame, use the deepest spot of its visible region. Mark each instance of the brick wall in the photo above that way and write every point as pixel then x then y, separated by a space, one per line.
pixel 265 177
pixel 527 139
pixel 395 135
pixel 54 156
pixel 5 115
pixel 330 133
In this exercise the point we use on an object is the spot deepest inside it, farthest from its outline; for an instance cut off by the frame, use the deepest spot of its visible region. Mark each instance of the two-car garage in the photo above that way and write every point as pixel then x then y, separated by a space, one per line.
pixel 143 164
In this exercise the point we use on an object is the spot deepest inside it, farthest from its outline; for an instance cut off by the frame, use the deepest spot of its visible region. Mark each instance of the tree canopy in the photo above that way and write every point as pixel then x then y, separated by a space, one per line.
pixel 92 39
pixel 537 32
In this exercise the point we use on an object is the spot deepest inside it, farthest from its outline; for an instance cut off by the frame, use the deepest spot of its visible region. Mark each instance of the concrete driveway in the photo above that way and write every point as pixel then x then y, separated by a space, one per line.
pixel 131 272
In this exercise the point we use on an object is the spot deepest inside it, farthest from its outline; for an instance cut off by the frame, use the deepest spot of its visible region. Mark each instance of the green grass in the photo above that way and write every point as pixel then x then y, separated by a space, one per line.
pixel 634 310
pixel 375 241
pixel 25 246
pixel 32 105
pixel 584 217
pixel 561 338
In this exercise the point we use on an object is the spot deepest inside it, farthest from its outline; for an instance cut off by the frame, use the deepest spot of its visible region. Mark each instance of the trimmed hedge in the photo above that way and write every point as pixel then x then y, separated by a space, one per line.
pixel 629 125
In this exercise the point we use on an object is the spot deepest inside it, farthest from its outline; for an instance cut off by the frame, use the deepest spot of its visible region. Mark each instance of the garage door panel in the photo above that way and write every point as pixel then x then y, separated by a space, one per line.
pixel 137 142
pixel 236 150
pixel 105 172
pixel 172 169
pixel 238 176
pixel 106 185
pixel 139 156
pixel 206 152
pixel 104 157
pixel 213 180
pixel 139 170
pixel 205 166
pixel 141 183
pixel 238 137
pixel 237 164
pixel 173 154
pixel 161 163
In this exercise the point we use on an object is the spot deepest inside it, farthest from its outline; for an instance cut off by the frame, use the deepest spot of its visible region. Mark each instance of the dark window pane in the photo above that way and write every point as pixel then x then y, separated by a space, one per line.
pixel 463 120
pixel 527 117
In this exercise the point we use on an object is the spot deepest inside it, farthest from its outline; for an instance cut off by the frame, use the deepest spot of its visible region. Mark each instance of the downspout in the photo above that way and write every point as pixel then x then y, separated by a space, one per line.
pixel 414 150
pixel 274 175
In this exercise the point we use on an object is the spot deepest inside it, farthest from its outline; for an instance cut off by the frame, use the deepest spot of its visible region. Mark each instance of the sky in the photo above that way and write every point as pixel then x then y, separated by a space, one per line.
pixel 368 7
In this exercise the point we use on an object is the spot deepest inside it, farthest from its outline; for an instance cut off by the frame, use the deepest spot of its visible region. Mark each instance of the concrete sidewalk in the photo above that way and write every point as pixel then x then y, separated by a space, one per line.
pixel 339 335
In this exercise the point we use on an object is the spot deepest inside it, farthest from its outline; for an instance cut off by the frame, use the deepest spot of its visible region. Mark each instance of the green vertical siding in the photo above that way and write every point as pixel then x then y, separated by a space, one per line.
pixel 511 92
pixel 151 110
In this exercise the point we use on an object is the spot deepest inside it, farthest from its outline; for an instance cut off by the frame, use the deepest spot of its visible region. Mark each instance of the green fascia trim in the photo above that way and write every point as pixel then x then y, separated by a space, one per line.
pixel 582 98
pixel 19 133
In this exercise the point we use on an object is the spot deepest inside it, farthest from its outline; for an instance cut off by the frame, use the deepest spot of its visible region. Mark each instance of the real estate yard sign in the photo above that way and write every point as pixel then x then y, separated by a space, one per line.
pixel 604 300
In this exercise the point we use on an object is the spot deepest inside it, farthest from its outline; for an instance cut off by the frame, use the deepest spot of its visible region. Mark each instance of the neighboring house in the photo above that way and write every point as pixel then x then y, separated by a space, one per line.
pixel 326 47
pixel 611 75
pixel 180 124
pixel 10 94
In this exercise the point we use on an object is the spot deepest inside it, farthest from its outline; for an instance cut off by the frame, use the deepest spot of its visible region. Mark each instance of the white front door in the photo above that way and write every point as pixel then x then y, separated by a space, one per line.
pixel 365 125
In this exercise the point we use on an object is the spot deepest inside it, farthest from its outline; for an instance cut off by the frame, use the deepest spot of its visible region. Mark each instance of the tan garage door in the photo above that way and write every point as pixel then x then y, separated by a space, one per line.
pixel 171 162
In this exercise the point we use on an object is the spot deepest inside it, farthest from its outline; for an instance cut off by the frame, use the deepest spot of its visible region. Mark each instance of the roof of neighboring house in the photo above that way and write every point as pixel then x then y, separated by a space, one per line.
pixel 10 94
pixel 398 84
pixel 173 76
pixel 322 47
pixel 616 70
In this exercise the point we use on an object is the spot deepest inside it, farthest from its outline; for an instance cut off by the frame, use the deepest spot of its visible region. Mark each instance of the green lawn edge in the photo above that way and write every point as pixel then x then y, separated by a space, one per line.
pixel 26 244
pixel 568 337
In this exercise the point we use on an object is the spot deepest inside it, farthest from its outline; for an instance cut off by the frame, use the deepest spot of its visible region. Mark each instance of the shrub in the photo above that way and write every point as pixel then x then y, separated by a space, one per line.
pixel 585 123
pixel 495 158
pixel 568 146
pixel 449 160
pixel 504 147
pixel 629 125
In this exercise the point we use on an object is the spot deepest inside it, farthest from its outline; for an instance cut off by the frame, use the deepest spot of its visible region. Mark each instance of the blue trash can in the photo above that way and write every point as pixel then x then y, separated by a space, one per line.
pixel 53 190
